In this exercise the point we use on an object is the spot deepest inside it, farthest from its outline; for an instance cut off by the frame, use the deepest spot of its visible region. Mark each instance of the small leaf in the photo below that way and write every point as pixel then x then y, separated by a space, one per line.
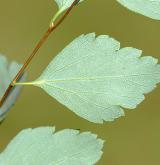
pixel 42 146
pixel 149 8
pixel 7 73
pixel 65 4
pixel 95 78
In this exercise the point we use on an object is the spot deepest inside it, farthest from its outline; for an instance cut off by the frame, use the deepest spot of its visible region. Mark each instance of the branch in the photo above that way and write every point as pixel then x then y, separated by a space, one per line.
pixel 35 50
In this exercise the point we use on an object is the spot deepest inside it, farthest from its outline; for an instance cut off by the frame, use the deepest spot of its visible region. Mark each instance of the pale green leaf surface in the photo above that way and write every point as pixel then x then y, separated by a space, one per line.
pixel 65 4
pixel 95 78
pixel 7 73
pixel 44 146
pixel 149 8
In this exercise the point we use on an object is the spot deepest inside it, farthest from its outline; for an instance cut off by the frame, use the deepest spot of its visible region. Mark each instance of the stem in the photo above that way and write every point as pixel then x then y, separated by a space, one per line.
pixel 55 17
pixel 23 83
pixel 28 83
pixel 35 50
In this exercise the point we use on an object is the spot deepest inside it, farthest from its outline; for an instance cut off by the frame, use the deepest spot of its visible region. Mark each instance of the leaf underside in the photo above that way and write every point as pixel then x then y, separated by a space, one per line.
pixel 65 4
pixel 44 146
pixel 95 78
pixel 149 8
pixel 7 73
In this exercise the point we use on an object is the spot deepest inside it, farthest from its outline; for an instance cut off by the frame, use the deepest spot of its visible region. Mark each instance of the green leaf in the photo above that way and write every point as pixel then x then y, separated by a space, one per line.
pixel 42 146
pixel 149 8
pixel 7 73
pixel 65 4
pixel 62 5
pixel 95 78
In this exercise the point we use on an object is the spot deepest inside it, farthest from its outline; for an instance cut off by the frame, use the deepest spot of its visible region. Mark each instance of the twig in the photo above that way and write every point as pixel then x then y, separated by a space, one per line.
pixel 35 50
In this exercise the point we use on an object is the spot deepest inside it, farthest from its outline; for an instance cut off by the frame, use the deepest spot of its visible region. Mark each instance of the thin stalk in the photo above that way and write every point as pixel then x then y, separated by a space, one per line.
pixel 28 83
pixel 35 50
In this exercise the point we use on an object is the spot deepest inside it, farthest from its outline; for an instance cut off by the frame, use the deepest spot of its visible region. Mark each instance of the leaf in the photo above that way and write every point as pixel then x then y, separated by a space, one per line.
pixel 65 4
pixel 42 146
pixel 149 8
pixel 7 73
pixel 95 78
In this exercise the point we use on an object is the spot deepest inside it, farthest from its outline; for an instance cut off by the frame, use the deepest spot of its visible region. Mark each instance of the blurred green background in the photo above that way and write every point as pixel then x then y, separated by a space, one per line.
pixel 131 140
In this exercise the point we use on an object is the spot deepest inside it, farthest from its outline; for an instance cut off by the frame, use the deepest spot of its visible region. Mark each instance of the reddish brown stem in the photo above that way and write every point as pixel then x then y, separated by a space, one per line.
pixel 35 50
